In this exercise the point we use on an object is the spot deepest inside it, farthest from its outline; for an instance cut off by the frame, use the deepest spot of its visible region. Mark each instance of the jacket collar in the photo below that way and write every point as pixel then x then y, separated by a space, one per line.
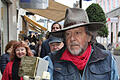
pixel 97 54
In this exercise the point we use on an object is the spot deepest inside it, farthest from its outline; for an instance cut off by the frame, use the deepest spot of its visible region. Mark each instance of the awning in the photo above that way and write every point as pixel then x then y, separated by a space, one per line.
pixel 55 11
pixel 34 23
pixel 33 28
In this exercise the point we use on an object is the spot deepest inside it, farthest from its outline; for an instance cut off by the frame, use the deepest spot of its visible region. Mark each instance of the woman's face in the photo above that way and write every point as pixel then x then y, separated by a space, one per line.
pixel 10 50
pixel 20 52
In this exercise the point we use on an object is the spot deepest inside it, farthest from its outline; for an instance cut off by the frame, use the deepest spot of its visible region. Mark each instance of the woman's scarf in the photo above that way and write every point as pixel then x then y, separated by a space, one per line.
pixel 79 61
pixel 15 69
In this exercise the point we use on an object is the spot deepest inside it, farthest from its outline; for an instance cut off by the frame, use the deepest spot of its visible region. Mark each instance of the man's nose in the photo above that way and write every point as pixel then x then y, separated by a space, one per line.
pixel 72 37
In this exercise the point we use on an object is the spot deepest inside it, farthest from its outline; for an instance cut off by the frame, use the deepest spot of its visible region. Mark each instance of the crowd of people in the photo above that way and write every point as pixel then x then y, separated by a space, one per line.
pixel 70 51
pixel 32 45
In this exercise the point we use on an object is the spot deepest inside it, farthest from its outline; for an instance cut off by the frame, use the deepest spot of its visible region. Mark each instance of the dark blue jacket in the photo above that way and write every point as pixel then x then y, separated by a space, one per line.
pixel 45 49
pixel 5 58
pixel 101 66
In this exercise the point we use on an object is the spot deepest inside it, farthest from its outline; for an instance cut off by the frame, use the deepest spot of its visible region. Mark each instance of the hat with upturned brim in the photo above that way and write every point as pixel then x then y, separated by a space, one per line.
pixel 77 17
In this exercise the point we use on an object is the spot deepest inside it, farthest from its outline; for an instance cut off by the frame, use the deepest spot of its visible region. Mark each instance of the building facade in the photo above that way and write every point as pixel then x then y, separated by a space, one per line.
pixel 112 10
pixel 8 22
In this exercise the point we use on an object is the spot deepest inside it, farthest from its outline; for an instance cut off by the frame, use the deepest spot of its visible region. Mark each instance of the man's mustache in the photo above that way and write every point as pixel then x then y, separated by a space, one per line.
pixel 74 44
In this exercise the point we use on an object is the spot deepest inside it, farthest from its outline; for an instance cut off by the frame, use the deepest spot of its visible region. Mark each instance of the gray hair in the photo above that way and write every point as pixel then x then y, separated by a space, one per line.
pixel 90 33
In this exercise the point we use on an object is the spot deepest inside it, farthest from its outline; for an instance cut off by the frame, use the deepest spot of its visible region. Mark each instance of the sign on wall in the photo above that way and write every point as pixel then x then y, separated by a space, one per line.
pixel 34 4
pixel 114 19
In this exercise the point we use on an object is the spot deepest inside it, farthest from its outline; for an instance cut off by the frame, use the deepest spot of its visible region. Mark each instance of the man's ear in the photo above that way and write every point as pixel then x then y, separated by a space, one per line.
pixel 89 37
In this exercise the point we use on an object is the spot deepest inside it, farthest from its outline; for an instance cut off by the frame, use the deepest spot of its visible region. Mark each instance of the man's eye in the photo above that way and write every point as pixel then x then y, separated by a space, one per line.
pixel 22 49
pixel 67 34
pixel 57 28
pixel 78 32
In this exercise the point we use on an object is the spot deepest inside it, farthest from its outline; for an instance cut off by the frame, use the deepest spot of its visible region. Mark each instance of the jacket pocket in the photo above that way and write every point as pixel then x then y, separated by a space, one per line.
pixel 100 72
pixel 64 72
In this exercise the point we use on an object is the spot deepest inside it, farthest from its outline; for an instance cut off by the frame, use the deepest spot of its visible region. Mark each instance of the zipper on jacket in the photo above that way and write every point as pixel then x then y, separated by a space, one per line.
pixel 86 66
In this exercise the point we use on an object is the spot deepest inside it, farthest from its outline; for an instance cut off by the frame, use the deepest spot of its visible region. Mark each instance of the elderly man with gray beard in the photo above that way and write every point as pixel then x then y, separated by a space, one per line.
pixel 79 59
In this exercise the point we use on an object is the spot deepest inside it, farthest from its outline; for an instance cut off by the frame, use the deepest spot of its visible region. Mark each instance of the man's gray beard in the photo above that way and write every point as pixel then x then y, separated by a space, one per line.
pixel 76 53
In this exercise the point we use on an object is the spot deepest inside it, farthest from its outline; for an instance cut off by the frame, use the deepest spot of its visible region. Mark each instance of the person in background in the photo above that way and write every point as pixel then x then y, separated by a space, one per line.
pixel 55 43
pixel 45 48
pixel 31 45
pixel 55 27
pixel 38 47
pixel 26 40
pixel 32 38
pixel 20 49
pixel 5 58
pixel 79 59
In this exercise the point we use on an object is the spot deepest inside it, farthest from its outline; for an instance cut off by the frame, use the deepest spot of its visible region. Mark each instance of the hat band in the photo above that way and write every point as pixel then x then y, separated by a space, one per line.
pixel 73 23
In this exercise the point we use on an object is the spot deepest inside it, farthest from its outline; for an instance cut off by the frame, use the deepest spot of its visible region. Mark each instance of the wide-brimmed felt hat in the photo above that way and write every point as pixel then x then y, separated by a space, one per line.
pixel 77 17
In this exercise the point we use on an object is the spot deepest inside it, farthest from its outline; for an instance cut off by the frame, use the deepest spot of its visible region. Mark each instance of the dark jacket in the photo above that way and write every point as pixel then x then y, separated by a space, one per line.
pixel 5 58
pixel 100 46
pixel 100 66
pixel 45 48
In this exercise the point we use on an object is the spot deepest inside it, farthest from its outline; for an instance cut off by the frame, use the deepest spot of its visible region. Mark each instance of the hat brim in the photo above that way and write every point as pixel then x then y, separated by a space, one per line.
pixel 55 41
pixel 92 26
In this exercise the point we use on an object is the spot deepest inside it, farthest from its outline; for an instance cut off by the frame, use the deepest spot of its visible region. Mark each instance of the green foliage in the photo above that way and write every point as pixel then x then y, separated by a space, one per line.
pixel 96 14
pixel 103 32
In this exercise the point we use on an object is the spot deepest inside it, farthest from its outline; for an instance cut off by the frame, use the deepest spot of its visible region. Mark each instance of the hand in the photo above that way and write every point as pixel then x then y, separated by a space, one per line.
pixel 37 78
pixel 46 75
pixel 26 78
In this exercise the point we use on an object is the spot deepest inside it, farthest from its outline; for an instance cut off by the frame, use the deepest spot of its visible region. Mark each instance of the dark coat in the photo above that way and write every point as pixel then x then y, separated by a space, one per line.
pixel 5 58
pixel 99 67
pixel 100 46
pixel 45 48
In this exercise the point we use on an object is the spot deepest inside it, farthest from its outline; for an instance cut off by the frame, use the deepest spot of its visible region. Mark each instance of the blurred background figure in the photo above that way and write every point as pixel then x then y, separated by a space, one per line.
pixel 5 58
pixel 20 49
pixel 55 27
pixel 26 39
pixel 55 43
pixel 32 37
pixel 31 45
pixel 45 48
pixel 38 47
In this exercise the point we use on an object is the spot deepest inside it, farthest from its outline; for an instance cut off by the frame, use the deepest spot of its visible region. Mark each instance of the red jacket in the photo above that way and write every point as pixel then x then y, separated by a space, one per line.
pixel 7 74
